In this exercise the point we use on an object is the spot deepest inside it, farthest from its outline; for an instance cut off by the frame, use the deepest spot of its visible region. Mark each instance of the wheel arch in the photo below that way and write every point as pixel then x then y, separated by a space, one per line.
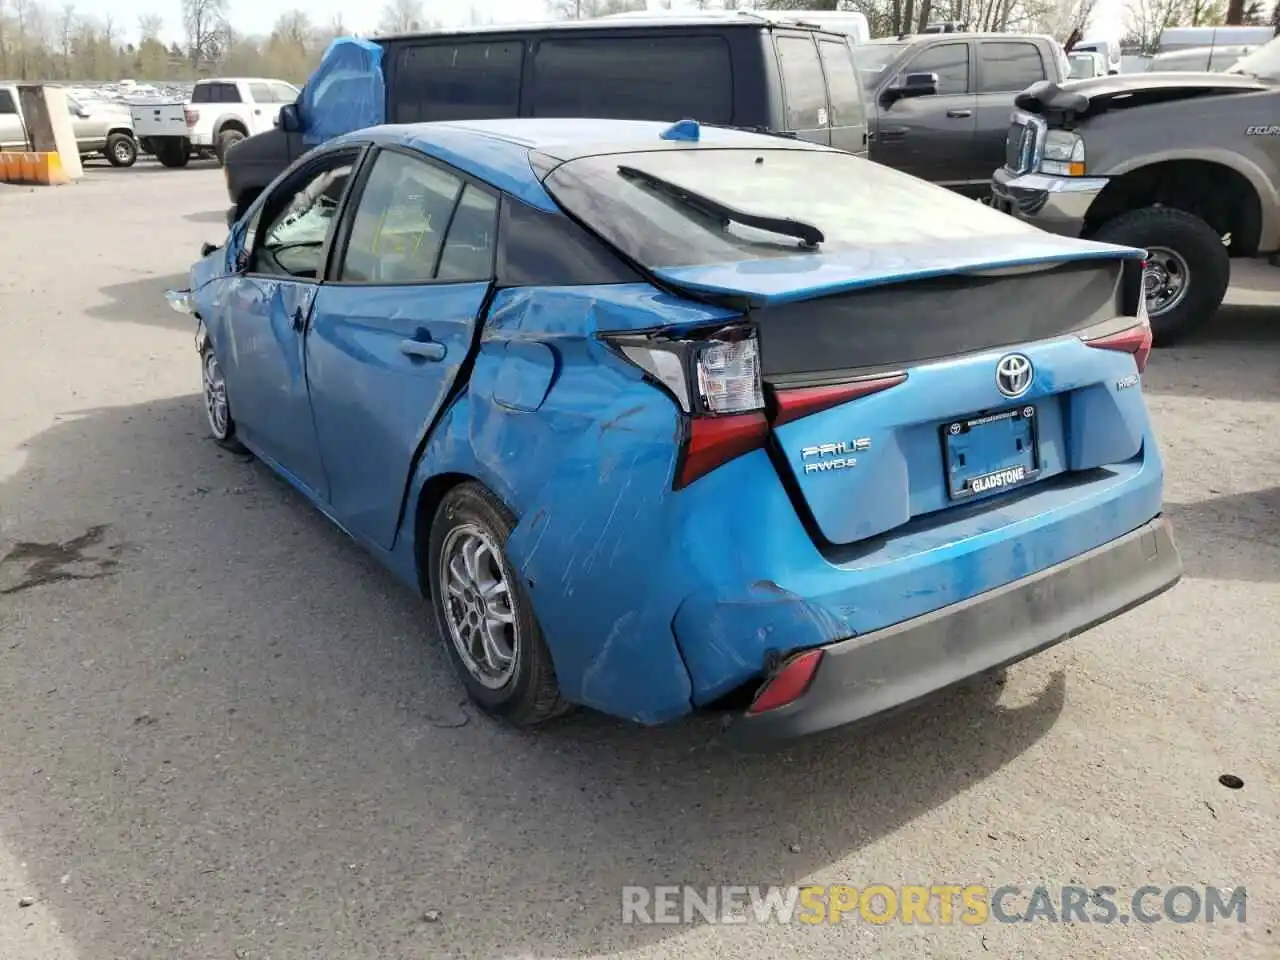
pixel 127 131
pixel 231 122
pixel 1218 192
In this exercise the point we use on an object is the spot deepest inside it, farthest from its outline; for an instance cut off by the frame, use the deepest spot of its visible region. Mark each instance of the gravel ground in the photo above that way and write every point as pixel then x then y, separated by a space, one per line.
pixel 227 733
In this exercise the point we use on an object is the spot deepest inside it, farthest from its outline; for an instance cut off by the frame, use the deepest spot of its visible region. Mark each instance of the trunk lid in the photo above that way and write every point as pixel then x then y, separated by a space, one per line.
pixel 948 434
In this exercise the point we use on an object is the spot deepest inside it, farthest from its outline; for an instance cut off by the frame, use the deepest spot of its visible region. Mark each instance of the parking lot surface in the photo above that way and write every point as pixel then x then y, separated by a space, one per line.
pixel 228 733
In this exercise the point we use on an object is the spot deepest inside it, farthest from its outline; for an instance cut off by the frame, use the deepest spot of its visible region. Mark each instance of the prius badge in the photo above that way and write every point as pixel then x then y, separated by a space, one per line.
pixel 823 457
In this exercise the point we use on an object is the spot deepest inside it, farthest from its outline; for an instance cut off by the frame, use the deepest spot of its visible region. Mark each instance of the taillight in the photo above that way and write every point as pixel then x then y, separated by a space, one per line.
pixel 715 378
pixel 1135 339
pixel 792 404
pixel 193 116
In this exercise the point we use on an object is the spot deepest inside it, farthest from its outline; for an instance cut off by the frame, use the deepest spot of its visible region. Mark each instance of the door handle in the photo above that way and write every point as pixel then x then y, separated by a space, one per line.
pixel 258 112
pixel 299 319
pixel 893 133
pixel 422 349
pixel 959 114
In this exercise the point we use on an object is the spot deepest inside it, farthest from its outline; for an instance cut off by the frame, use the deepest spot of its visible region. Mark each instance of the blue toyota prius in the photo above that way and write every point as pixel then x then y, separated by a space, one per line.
pixel 660 417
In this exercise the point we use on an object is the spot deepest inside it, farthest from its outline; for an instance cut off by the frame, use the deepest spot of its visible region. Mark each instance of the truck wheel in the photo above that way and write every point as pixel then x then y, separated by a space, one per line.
pixel 226 140
pixel 172 152
pixel 1188 268
pixel 121 150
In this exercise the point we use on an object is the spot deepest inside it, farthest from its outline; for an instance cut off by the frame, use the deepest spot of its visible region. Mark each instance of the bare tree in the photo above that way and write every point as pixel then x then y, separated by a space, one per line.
pixel 401 16
pixel 588 9
pixel 206 27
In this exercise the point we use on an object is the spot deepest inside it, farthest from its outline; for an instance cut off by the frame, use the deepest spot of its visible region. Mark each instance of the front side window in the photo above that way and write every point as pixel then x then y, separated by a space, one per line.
pixel 283 92
pixel 299 223
pixel 802 83
pixel 6 102
pixel 950 61
pixel 1009 67
pixel 634 78
pixel 398 231
pixel 261 93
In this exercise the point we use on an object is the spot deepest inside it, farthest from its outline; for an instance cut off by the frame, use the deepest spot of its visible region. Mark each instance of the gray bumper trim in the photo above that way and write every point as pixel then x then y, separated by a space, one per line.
pixel 866 675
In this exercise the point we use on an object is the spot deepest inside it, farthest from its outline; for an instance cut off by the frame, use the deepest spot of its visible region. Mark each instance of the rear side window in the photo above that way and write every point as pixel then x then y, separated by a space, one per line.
pixel 215 93
pixel 950 61
pixel 844 89
pixel 802 83
pixel 458 81
pixel 1008 67
pixel 634 78
pixel 6 102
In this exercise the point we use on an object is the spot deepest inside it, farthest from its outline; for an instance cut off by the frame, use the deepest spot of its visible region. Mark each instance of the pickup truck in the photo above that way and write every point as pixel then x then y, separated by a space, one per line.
pixel 1183 165
pixel 101 129
pixel 222 111
pixel 942 100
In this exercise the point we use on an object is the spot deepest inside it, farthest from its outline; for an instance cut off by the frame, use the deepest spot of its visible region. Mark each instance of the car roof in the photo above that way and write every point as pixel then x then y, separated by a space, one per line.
pixel 681 21
pixel 501 152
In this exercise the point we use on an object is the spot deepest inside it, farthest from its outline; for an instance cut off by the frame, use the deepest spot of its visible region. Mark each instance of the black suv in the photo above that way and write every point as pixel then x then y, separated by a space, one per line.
pixel 736 70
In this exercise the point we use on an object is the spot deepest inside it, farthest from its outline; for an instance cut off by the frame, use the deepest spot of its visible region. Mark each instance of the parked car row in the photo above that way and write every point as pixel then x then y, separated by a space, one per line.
pixel 204 121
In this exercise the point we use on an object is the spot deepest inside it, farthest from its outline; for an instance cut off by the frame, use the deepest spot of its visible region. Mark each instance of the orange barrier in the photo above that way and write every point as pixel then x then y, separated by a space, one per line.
pixel 34 168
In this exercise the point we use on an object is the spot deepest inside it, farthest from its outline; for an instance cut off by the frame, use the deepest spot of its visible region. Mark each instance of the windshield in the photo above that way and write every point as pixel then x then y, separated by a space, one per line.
pixel 655 225
pixel 1263 63
pixel 873 58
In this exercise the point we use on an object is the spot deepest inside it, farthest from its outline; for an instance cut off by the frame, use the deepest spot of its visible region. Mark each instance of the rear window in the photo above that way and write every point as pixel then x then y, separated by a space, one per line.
pixel 215 93
pixel 854 202
pixel 634 78
pixel 475 80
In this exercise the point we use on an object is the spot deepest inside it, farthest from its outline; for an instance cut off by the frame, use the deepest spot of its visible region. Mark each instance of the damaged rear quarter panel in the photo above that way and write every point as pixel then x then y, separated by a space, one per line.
pixel 584 456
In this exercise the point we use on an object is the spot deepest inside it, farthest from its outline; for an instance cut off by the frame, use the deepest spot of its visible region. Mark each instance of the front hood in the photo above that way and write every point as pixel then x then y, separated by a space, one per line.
pixel 1082 98
pixel 805 277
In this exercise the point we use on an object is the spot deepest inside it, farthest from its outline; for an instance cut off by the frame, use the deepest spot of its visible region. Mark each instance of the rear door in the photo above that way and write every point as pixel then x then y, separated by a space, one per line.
pixel 807 111
pixel 393 326
pixel 658 76
pixel 932 137
pixel 844 95
pixel 1005 69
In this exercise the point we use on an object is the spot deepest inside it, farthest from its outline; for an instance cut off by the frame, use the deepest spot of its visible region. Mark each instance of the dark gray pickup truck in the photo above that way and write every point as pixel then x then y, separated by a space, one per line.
pixel 1183 165
pixel 941 102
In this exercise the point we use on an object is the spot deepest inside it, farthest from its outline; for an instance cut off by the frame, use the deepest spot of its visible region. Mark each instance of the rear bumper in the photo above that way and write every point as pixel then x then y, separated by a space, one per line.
pixel 866 675
pixel 1056 204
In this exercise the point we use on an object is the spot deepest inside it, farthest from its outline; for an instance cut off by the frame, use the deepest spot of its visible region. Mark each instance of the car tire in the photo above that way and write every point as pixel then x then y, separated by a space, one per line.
pixel 1184 253
pixel 217 406
pixel 173 152
pixel 474 590
pixel 121 150
pixel 226 140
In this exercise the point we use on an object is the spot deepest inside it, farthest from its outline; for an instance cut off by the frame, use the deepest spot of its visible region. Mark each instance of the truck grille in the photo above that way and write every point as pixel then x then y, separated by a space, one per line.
pixel 1020 146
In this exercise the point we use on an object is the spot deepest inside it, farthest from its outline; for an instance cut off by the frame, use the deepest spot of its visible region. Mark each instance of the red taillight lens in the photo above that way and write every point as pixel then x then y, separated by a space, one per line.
pixel 714 441
pixel 1135 340
pixel 802 401
pixel 193 116
pixel 789 684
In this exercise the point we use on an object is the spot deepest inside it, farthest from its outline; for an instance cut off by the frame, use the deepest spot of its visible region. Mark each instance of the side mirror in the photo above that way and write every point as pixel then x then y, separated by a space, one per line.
pixel 289 120
pixel 913 85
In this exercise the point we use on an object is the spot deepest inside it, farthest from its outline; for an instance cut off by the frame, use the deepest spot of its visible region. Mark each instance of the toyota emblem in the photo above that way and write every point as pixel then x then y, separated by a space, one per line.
pixel 1013 375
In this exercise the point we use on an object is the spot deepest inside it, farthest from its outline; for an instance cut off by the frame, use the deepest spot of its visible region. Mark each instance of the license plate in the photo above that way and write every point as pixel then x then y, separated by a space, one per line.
pixel 991 452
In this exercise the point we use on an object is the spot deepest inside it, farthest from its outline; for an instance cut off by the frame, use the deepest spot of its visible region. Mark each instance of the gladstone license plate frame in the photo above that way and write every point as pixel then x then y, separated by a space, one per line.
pixel 990 452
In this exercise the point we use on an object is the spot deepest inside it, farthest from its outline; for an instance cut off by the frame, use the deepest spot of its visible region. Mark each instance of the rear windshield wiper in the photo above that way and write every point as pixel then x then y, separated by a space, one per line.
pixel 806 233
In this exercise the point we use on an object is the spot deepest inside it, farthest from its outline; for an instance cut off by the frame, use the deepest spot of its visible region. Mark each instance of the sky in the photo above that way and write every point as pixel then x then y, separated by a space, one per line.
pixel 258 16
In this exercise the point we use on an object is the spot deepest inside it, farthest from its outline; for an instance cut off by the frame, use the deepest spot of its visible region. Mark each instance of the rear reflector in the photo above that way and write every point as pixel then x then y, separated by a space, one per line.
pixel 1136 340
pixel 789 684
pixel 803 401
pixel 714 441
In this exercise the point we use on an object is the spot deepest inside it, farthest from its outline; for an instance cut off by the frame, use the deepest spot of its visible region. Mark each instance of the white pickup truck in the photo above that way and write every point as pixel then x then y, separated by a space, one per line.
pixel 222 111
